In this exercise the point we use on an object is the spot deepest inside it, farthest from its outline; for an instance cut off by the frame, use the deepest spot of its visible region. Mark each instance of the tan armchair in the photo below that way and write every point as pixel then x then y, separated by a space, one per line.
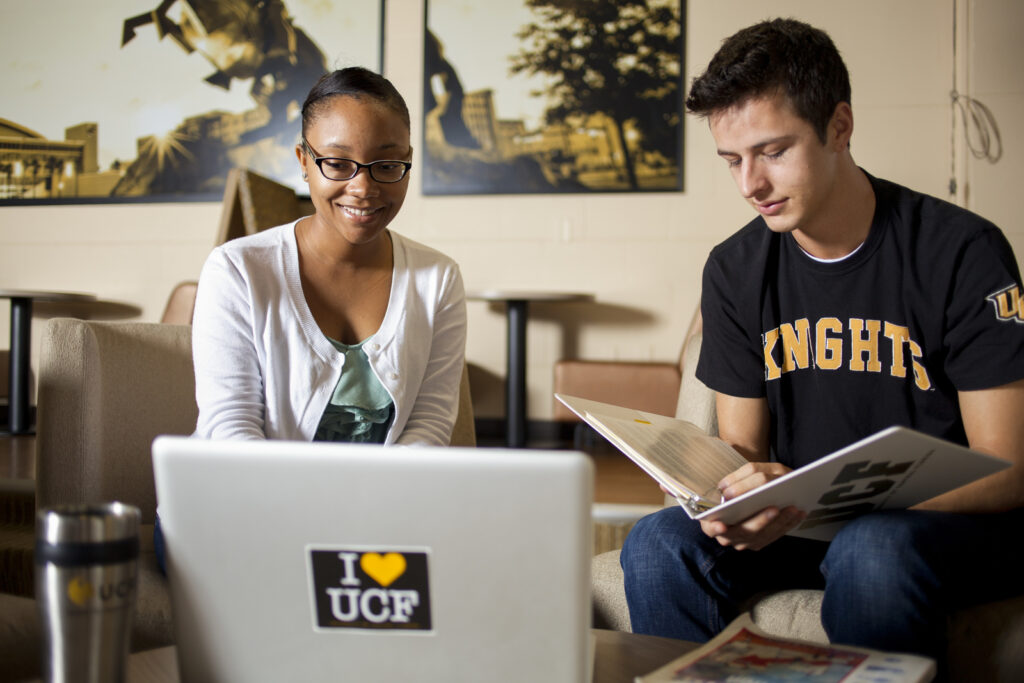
pixel 985 641
pixel 653 387
pixel 181 304
pixel 107 389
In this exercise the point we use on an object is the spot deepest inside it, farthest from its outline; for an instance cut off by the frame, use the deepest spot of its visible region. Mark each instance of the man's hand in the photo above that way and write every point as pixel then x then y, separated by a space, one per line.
pixel 767 526
pixel 749 477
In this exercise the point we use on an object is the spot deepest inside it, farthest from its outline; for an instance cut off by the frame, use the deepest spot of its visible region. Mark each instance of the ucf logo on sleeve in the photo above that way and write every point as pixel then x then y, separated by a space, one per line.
pixel 1008 304
pixel 378 589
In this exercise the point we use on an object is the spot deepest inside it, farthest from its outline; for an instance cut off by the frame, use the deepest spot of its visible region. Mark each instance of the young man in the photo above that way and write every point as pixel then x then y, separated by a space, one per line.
pixel 848 305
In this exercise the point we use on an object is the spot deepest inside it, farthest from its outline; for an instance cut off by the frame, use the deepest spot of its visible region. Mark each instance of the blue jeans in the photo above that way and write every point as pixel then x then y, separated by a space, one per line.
pixel 890 578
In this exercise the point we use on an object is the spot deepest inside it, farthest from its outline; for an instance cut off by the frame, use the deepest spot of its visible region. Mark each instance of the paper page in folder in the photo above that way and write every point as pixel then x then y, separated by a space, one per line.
pixel 676 453
pixel 692 457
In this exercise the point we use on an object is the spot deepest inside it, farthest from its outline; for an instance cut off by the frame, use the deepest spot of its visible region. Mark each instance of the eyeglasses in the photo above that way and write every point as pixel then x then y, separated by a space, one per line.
pixel 335 168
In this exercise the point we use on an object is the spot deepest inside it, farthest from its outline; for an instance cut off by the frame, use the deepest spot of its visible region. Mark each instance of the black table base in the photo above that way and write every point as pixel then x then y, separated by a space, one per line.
pixel 18 416
pixel 515 382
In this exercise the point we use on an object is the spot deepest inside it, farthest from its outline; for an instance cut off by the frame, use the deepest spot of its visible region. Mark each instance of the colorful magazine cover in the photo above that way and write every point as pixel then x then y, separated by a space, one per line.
pixel 742 652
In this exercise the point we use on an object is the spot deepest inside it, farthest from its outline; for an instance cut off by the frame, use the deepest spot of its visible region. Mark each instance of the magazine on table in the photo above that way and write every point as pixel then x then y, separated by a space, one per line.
pixel 743 652
pixel 896 467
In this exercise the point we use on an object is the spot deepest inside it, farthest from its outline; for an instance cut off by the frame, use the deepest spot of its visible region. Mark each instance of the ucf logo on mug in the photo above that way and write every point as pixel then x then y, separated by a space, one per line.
pixel 83 593
pixel 379 589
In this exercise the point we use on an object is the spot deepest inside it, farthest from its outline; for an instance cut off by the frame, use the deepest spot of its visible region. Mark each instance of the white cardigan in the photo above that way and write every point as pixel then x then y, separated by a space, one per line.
pixel 265 370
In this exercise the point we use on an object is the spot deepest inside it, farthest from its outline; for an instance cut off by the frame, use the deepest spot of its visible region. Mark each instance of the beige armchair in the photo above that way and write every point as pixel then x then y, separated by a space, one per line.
pixel 663 388
pixel 986 641
pixel 181 304
pixel 106 390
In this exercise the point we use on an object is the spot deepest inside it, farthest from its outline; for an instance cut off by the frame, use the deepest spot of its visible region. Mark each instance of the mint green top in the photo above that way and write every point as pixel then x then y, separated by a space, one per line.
pixel 361 409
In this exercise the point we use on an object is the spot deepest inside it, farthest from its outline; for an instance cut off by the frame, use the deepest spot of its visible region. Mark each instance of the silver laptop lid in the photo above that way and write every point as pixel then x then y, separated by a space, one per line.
pixel 299 561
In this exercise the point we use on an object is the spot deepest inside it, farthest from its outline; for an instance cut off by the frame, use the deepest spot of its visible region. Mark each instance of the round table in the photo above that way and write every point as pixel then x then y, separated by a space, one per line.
pixel 516 308
pixel 21 341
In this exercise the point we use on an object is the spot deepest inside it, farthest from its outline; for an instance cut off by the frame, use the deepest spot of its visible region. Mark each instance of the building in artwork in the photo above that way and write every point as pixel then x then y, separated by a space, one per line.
pixel 478 114
pixel 33 167
pixel 586 149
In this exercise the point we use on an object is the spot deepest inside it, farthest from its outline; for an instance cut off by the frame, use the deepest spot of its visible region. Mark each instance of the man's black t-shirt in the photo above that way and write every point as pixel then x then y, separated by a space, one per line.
pixel 931 304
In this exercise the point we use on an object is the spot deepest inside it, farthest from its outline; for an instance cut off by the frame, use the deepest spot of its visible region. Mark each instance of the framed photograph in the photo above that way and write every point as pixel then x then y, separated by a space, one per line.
pixel 156 100
pixel 547 96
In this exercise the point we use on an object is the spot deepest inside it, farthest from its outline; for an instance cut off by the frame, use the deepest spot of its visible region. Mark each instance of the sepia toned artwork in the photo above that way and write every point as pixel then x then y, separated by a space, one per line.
pixel 156 100
pixel 550 96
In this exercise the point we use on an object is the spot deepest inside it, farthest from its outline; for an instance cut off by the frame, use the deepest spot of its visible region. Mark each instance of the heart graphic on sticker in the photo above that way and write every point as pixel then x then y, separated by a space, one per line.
pixel 383 569
pixel 79 591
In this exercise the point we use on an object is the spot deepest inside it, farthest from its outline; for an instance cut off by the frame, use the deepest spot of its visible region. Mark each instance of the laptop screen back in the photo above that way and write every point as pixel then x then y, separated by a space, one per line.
pixel 299 561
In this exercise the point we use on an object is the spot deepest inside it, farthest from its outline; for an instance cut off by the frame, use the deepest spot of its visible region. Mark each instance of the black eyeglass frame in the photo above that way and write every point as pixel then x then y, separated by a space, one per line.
pixel 319 161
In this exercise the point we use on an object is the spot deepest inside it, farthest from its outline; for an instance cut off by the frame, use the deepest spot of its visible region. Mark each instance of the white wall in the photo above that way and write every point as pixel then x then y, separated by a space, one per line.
pixel 641 255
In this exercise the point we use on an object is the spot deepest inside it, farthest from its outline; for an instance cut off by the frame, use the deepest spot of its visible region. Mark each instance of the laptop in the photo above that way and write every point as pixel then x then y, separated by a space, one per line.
pixel 313 562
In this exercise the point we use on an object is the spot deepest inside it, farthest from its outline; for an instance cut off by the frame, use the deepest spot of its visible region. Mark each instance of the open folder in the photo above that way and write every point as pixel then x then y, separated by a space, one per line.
pixel 896 467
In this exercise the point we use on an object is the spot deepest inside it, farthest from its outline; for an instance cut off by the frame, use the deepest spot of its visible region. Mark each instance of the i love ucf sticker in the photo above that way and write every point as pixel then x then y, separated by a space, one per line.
pixel 380 589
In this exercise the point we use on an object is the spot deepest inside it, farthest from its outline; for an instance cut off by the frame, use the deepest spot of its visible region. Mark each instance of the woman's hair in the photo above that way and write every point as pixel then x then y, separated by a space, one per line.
pixel 778 56
pixel 357 82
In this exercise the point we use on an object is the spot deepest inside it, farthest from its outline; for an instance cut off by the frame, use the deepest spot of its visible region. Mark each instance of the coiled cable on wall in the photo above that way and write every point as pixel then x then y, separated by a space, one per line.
pixel 981 132
pixel 980 128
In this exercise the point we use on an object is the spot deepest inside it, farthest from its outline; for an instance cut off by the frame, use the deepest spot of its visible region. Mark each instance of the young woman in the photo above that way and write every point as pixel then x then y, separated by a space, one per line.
pixel 333 327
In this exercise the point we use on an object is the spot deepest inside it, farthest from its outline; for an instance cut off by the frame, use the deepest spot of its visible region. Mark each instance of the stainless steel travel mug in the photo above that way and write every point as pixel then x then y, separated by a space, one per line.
pixel 86 572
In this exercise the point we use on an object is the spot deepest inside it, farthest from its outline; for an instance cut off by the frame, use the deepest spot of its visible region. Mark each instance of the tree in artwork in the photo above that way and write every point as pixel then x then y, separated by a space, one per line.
pixel 621 59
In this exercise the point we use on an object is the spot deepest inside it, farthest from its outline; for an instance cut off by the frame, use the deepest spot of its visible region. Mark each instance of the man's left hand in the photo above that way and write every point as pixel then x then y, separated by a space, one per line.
pixel 758 530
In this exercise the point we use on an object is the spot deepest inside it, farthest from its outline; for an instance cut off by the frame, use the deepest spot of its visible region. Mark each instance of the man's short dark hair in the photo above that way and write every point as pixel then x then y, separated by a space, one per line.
pixel 778 56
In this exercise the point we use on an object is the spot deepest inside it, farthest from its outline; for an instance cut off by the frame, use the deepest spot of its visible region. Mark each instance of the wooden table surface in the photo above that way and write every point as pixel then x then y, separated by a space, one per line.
pixel 623 656
pixel 619 658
